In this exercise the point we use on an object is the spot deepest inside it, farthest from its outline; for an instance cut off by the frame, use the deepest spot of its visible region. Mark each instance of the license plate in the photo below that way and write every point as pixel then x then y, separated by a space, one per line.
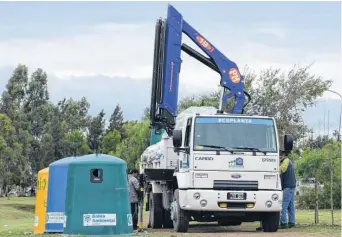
pixel 236 196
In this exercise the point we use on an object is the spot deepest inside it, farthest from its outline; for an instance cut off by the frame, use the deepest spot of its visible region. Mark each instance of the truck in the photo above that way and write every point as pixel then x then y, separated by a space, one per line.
pixel 204 164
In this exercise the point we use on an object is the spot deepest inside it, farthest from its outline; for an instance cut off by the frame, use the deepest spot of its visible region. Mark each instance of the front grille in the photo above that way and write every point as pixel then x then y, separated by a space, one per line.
pixel 235 185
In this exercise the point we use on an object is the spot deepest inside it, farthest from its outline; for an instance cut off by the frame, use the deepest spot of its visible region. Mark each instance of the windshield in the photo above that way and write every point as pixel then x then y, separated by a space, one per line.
pixel 242 134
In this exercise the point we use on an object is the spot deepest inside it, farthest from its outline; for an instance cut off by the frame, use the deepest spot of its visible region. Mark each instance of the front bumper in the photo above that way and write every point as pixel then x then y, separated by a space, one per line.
pixel 255 201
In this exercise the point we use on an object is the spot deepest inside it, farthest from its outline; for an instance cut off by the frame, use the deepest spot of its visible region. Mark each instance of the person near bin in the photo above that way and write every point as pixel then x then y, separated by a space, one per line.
pixel 288 184
pixel 134 188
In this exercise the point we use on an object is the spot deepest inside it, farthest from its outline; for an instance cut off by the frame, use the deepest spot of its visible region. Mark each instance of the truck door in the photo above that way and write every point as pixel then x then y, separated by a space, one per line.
pixel 187 137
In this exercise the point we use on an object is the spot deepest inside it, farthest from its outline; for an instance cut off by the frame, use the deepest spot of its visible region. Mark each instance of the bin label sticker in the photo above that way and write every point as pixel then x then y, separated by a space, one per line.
pixel 36 221
pixel 64 223
pixel 55 218
pixel 129 220
pixel 99 219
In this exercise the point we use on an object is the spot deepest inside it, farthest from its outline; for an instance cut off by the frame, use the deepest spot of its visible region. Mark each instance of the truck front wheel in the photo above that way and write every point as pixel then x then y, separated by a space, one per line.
pixel 168 223
pixel 270 221
pixel 179 217
pixel 156 211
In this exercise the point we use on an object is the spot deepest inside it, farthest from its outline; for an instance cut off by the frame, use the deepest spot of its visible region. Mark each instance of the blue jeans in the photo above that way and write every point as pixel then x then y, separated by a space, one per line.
pixel 288 206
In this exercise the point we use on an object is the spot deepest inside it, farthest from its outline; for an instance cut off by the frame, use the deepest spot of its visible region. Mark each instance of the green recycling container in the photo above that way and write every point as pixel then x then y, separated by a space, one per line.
pixel 97 197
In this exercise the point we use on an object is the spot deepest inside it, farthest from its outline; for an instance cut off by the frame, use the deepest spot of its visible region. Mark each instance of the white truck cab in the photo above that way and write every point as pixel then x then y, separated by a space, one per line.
pixel 216 167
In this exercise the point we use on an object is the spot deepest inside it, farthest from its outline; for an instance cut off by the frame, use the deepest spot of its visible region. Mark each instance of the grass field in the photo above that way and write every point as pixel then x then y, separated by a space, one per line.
pixel 17 216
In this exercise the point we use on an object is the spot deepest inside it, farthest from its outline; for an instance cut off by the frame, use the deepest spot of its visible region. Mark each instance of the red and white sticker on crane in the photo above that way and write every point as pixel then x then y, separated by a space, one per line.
pixel 234 75
pixel 204 43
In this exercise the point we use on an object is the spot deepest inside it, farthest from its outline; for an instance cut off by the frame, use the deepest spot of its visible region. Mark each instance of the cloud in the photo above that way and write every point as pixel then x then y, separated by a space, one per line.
pixel 114 50
pixel 126 51
pixel 273 29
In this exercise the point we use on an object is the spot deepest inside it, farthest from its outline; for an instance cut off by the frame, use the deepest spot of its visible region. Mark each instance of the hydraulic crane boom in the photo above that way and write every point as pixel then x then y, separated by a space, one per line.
pixel 167 64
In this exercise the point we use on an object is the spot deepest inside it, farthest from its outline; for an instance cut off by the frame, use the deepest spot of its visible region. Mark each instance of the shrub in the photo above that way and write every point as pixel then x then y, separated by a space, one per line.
pixel 307 199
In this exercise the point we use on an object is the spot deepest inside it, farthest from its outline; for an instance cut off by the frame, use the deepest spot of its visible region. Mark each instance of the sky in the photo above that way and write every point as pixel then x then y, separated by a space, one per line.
pixel 104 50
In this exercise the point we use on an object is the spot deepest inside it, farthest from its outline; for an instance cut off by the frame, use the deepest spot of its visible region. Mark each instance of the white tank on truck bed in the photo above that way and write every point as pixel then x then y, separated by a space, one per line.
pixel 161 154
pixel 191 111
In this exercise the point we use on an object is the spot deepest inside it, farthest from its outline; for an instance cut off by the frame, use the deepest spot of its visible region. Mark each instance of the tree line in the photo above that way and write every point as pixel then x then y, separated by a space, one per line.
pixel 35 132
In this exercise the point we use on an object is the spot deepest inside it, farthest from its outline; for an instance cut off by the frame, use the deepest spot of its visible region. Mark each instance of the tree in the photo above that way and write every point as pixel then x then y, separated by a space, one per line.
pixel 137 140
pixel 325 166
pixel 337 135
pixel 319 142
pixel 284 96
pixel 13 165
pixel 75 113
pixel 146 114
pixel 14 95
pixel 276 94
pixel 116 119
pixel 96 131
pixel 35 132
pixel 76 144
pixel 15 153
pixel 110 141
pixel 58 129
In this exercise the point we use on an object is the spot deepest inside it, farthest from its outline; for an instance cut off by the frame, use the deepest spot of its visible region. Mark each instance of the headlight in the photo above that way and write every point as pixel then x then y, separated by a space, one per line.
pixel 275 197
pixel 197 196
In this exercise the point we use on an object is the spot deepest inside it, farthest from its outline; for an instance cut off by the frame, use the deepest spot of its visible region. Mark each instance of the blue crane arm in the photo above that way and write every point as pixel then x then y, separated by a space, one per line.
pixel 167 64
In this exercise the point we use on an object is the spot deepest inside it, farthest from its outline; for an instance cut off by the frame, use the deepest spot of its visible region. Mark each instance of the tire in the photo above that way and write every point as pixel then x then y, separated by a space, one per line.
pixel 168 223
pixel 156 211
pixel 181 219
pixel 229 223
pixel 270 221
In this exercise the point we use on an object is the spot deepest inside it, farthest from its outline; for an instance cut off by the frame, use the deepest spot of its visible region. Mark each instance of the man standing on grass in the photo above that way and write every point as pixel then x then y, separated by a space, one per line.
pixel 288 184
pixel 133 195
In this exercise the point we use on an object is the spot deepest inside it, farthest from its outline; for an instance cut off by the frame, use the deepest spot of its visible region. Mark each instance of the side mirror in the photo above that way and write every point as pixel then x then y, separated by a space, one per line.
pixel 288 142
pixel 177 138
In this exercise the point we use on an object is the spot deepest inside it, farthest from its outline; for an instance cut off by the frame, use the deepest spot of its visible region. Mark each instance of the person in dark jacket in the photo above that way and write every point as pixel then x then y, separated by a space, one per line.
pixel 288 184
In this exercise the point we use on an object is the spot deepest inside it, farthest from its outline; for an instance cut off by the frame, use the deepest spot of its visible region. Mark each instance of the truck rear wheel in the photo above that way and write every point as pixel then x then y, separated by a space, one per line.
pixel 179 217
pixel 156 211
pixel 270 221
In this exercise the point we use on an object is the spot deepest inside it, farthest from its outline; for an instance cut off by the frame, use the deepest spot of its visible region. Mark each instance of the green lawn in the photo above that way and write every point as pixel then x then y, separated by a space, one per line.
pixel 17 215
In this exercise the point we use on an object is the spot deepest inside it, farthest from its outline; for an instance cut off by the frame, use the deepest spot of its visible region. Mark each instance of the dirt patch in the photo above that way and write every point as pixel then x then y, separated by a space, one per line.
pixel 22 207
pixel 213 230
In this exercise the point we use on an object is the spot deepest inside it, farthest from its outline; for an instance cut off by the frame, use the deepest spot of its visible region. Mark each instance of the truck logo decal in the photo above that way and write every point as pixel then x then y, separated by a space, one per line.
pixel 234 75
pixel 237 163
pixel 235 176
pixel 204 158
pixel 268 160
pixel 204 43
pixel 234 120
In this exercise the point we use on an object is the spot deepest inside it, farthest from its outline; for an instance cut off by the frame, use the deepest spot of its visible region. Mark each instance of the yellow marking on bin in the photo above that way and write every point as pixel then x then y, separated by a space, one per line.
pixel 41 199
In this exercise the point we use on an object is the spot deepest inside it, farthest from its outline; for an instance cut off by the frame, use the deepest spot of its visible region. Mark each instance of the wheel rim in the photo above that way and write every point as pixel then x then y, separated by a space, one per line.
pixel 173 211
